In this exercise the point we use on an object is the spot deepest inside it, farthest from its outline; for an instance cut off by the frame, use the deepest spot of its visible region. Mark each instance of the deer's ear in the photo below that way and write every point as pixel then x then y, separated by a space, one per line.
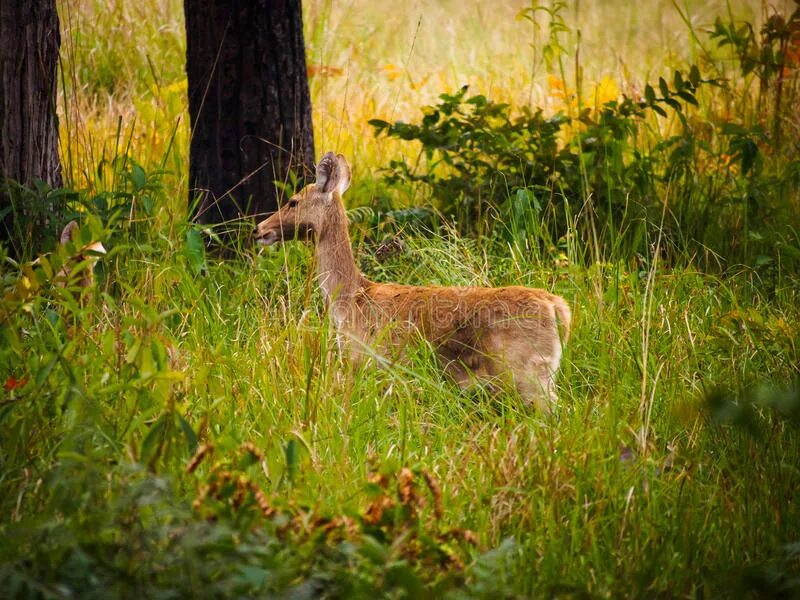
pixel 69 231
pixel 328 173
pixel 344 174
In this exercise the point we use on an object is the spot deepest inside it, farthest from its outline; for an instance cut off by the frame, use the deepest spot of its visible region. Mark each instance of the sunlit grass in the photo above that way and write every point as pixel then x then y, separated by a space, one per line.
pixel 124 63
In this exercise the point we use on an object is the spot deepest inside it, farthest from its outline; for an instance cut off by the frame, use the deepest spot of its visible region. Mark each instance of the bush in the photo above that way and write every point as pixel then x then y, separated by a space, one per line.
pixel 608 173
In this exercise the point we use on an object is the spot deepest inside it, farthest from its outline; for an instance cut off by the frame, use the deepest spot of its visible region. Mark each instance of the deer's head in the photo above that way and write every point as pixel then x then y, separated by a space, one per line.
pixel 307 211
pixel 90 252
pixel 78 268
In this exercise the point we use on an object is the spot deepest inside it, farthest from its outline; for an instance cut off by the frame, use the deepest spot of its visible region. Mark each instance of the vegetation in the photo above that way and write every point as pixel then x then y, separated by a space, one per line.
pixel 188 428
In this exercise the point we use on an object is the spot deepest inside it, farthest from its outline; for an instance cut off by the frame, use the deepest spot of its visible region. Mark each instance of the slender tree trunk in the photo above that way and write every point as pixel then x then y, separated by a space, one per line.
pixel 29 45
pixel 249 105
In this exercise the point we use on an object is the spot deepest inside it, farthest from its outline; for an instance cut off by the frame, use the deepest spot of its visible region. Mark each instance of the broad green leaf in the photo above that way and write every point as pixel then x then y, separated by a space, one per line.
pixel 138 178
pixel 195 250
pixel 152 441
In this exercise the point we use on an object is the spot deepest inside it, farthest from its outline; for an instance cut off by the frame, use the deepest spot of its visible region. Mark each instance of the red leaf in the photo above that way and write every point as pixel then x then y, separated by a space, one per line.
pixel 12 383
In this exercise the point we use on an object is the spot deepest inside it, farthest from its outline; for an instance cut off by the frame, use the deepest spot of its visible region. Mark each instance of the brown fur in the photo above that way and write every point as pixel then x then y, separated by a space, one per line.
pixel 71 274
pixel 508 333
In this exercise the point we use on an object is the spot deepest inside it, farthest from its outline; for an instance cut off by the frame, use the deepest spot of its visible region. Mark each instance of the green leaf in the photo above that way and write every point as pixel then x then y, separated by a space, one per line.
pixel 674 104
pixel 662 85
pixel 763 260
pixel 5 411
pixel 688 97
pixel 46 267
pixel 195 250
pixel 748 151
pixel 401 575
pixel 188 433
pixel 677 80
pixel 133 352
pixel 292 458
pixel 694 75
pixel 373 550
pixel 659 110
pixel 138 178
pixel 101 169
pixel 649 94
pixel 44 372
pixel 731 128
pixel 379 125
pixel 430 119
pixel 152 441
pixel 253 576
pixel 145 362
pixel 478 101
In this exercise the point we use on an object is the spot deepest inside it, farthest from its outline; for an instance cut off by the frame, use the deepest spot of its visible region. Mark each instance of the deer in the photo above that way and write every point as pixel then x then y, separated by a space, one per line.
pixel 480 334
pixel 78 271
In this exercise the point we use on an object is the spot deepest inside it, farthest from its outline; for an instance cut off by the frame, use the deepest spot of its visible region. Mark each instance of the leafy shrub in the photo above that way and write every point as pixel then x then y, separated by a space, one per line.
pixel 721 189
pixel 484 163
pixel 30 217
pixel 125 198
pixel 772 58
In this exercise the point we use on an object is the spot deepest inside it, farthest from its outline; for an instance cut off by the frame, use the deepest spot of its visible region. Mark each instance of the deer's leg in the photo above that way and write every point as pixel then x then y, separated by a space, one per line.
pixel 455 370
pixel 536 386
pixel 532 373
pixel 453 356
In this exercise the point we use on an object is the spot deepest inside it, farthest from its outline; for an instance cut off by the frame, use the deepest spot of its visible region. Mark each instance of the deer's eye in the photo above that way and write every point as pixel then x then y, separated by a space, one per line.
pixel 292 203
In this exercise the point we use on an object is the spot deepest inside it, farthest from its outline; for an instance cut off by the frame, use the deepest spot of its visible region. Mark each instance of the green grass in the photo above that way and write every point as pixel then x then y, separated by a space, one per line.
pixel 668 467
pixel 629 488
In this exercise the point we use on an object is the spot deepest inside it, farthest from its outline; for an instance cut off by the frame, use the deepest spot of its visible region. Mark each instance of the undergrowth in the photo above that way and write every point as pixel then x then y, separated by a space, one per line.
pixel 188 428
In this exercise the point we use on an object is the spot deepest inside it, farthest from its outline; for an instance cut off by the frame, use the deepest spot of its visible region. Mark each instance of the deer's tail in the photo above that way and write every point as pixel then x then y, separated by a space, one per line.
pixel 564 315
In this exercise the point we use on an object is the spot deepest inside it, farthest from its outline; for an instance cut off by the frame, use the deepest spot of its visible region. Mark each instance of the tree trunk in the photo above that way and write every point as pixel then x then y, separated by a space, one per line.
pixel 249 105
pixel 29 45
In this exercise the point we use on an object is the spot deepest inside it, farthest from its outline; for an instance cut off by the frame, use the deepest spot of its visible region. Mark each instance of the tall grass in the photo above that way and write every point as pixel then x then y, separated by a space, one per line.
pixel 631 487
pixel 126 61
pixel 192 429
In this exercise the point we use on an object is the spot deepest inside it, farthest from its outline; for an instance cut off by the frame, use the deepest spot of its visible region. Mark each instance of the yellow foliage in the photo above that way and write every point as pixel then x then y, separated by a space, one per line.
pixel 391 71
pixel 556 87
pixel 605 91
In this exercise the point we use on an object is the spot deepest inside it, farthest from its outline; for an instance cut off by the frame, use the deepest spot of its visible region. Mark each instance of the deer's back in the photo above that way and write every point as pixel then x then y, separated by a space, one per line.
pixel 464 316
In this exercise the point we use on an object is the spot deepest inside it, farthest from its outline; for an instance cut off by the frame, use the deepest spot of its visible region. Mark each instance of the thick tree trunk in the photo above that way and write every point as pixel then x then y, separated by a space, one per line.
pixel 29 45
pixel 249 105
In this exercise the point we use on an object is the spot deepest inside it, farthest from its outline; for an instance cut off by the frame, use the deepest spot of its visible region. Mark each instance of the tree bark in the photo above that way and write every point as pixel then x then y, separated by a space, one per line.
pixel 249 105
pixel 29 45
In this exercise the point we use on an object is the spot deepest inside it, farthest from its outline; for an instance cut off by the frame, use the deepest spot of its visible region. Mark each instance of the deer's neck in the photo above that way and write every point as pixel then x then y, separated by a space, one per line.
pixel 339 276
